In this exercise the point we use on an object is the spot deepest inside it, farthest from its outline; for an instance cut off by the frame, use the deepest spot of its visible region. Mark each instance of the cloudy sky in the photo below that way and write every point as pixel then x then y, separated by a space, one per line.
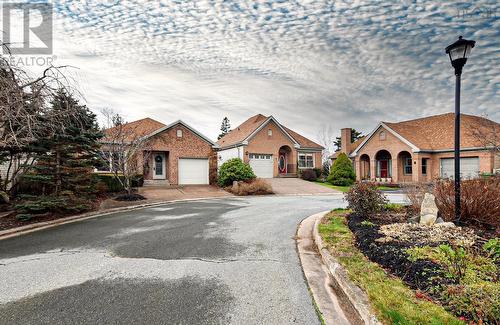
pixel 314 65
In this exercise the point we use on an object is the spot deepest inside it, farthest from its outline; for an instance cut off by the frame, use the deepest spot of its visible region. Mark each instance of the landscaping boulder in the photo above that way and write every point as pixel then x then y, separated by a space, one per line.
pixel 429 210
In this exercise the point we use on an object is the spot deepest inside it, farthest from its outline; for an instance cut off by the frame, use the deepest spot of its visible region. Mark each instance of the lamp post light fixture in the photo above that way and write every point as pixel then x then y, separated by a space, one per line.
pixel 458 52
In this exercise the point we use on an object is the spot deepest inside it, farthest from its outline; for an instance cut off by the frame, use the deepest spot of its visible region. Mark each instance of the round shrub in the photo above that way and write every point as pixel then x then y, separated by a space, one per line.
pixel 308 175
pixel 365 199
pixel 342 173
pixel 234 170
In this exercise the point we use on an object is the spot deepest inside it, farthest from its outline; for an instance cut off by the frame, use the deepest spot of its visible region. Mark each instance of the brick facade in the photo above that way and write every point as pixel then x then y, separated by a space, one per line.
pixel 398 149
pixel 262 143
pixel 190 145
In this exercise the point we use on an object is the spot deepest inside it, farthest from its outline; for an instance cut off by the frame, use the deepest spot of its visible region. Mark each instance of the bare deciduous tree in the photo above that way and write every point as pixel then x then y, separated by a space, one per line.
pixel 125 146
pixel 488 135
pixel 25 115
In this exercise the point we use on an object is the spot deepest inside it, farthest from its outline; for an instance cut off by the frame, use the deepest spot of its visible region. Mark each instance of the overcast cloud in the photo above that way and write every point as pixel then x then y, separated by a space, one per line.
pixel 311 64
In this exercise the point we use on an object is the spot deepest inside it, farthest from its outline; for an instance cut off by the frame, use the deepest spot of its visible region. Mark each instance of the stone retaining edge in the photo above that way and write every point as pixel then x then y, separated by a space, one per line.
pixel 351 294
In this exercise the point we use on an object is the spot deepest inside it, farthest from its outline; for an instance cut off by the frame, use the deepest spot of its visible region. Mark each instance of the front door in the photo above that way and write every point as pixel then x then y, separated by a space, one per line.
pixel 384 168
pixel 159 165
pixel 282 164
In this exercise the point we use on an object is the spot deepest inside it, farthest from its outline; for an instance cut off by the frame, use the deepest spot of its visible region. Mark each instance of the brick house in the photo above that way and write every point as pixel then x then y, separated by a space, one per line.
pixel 423 149
pixel 172 154
pixel 271 149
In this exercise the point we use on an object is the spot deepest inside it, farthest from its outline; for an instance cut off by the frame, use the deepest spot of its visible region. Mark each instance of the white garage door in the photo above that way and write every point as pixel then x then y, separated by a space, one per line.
pixel 262 165
pixel 193 171
pixel 469 167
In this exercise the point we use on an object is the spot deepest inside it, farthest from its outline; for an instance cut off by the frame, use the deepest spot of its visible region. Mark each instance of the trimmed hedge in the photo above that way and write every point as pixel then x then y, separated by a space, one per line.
pixel 308 175
pixel 113 185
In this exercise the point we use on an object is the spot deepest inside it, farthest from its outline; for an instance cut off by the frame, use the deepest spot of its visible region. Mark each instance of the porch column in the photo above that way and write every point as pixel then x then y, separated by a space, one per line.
pixel 395 168
pixel 357 168
pixel 373 169
pixel 416 167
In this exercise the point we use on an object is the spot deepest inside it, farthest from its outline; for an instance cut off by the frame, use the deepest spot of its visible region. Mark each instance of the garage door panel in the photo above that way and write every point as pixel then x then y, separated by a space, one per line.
pixel 469 167
pixel 193 171
pixel 262 165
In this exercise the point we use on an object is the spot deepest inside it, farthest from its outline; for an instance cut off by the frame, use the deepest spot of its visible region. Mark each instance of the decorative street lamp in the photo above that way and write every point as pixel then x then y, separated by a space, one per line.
pixel 458 52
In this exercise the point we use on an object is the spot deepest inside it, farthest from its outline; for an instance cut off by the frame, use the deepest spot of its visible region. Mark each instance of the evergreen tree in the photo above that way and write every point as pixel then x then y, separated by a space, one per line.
pixel 355 135
pixel 225 127
pixel 66 157
pixel 342 173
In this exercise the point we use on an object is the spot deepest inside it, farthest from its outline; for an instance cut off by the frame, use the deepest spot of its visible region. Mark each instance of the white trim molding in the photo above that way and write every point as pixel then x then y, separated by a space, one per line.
pixel 186 126
pixel 269 119
pixel 413 147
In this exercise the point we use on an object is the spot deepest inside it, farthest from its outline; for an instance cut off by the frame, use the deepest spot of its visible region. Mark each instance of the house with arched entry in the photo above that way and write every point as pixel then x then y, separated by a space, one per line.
pixel 421 150
pixel 271 149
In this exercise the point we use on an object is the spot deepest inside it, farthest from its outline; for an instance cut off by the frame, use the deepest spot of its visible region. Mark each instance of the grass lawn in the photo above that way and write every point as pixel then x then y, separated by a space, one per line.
pixel 392 301
pixel 344 189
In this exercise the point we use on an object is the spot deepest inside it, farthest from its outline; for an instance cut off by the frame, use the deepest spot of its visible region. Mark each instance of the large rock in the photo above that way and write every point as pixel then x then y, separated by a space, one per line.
pixel 428 210
pixel 428 219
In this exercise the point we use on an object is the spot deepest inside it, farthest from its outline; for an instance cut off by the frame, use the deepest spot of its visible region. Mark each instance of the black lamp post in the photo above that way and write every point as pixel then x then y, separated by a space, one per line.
pixel 458 52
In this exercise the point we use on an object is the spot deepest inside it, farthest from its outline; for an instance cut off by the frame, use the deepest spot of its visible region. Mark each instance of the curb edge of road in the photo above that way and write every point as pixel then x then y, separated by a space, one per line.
pixel 18 231
pixel 355 298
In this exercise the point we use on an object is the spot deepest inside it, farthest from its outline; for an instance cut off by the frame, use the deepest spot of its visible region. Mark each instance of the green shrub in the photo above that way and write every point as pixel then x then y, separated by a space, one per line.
pixel 394 207
pixel 234 170
pixel 53 204
pixel 474 291
pixel 113 184
pixel 365 199
pixel 492 248
pixel 342 173
pixel 308 175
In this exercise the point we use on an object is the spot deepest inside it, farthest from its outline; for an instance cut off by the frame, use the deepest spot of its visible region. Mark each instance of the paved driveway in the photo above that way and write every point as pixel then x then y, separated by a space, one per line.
pixel 296 186
pixel 230 260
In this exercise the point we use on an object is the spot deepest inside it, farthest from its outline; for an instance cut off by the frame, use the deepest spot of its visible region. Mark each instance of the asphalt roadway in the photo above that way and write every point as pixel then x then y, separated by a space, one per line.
pixel 219 261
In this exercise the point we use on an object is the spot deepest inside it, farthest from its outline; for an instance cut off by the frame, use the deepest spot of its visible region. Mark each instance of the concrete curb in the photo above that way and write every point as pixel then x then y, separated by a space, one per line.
pixel 353 297
pixel 4 234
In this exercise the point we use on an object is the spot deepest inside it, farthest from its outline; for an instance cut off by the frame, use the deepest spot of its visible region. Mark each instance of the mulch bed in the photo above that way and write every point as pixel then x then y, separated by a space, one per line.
pixel 391 255
pixel 130 197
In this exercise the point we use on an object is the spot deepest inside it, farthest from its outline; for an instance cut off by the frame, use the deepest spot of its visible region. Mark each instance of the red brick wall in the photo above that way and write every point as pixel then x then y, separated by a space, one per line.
pixel 189 145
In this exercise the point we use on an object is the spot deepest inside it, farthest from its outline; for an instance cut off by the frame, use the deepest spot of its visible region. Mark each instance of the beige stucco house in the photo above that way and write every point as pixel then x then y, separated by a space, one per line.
pixel 422 149
pixel 271 149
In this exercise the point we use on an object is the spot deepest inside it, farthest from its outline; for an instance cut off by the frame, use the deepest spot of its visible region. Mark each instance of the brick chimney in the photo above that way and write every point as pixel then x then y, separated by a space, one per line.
pixel 345 138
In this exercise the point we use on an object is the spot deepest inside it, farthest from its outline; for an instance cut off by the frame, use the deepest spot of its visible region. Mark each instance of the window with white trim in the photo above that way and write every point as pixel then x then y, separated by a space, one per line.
pixel 306 160
pixel 179 133
pixel 269 132
pixel 382 135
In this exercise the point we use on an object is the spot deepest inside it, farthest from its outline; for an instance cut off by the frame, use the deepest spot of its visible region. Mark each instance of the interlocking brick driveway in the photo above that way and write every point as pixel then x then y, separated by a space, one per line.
pixel 298 186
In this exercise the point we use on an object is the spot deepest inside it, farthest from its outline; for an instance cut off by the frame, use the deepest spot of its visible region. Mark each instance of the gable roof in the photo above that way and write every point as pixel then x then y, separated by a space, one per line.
pixel 436 133
pixel 251 126
pixel 134 130
pixel 243 131
pixel 166 127
pixel 146 128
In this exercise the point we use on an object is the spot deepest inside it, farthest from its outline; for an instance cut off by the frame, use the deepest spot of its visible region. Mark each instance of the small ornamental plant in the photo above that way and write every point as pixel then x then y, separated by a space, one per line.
pixel 234 170
pixel 365 199
pixel 342 173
